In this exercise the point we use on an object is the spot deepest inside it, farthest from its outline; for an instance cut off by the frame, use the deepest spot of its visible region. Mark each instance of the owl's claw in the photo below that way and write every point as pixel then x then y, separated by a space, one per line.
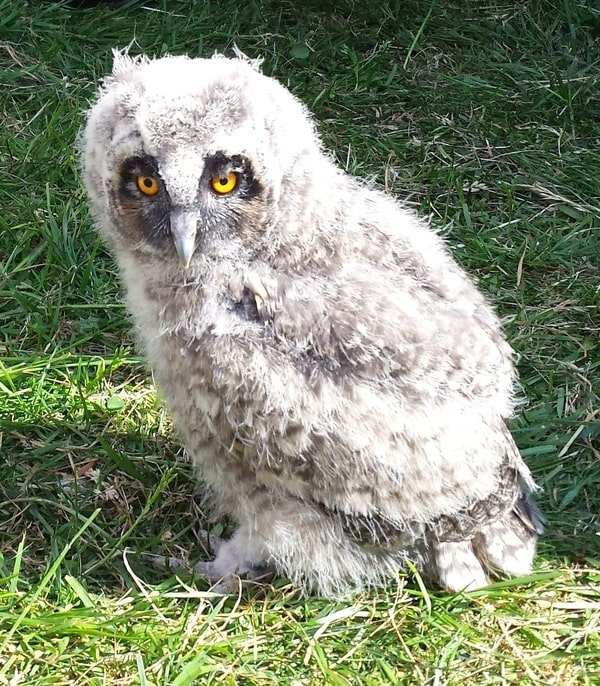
pixel 245 570
pixel 234 563
pixel 246 574
pixel 224 572
pixel 214 543
pixel 164 562
pixel 262 288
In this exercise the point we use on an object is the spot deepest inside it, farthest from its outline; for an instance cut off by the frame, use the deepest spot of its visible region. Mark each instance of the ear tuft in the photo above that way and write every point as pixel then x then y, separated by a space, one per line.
pixel 123 64
pixel 256 63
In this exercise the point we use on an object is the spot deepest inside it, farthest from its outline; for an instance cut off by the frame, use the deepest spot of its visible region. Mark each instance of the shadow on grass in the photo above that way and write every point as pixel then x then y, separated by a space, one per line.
pixel 54 476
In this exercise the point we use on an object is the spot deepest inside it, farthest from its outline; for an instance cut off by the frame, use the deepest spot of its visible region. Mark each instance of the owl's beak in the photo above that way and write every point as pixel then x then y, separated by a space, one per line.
pixel 184 226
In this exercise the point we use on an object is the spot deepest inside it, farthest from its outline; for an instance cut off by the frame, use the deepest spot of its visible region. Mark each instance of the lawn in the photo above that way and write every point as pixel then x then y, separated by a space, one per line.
pixel 484 115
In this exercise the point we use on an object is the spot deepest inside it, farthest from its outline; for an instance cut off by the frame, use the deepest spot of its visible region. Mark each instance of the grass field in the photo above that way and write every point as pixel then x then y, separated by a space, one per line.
pixel 484 115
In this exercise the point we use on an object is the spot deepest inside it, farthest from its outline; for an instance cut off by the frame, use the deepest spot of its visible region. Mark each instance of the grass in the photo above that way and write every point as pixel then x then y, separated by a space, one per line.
pixel 484 115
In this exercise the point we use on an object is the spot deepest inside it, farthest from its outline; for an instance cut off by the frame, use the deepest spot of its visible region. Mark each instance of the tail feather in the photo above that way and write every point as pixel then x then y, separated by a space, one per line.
pixel 527 510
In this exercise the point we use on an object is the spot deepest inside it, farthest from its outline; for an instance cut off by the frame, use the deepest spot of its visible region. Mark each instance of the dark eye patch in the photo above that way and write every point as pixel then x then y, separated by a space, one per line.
pixel 133 167
pixel 146 216
pixel 220 165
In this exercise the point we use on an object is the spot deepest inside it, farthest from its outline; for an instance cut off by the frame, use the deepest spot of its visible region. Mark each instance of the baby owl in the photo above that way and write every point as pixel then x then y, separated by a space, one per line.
pixel 340 384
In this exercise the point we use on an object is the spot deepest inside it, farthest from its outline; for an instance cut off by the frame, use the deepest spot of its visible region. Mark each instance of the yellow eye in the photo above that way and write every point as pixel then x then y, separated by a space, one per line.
pixel 224 184
pixel 148 185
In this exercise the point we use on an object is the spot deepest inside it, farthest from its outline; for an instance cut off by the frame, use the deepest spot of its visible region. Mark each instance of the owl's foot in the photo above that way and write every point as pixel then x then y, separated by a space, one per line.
pixel 164 562
pixel 456 566
pixel 235 562
pixel 245 575
pixel 170 562
pixel 503 548
pixel 264 289
pixel 508 545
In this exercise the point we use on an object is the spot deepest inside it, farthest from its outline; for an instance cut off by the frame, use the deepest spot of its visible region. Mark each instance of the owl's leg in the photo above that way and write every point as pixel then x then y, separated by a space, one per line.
pixel 240 556
pixel 508 546
pixel 302 544
pixel 456 567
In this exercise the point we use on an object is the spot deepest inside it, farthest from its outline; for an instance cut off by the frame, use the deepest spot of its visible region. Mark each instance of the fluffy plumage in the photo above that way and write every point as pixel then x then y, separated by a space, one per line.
pixel 340 383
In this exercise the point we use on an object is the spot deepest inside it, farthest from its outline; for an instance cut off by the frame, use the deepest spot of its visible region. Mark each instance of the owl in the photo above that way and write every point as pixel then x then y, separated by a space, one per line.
pixel 340 383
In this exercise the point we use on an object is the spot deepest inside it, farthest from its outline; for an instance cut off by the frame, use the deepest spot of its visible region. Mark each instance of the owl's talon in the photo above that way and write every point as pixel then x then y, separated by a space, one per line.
pixel 260 303
pixel 205 568
pixel 245 573
pixel 262 572
pixel 262 288
pixel 213 543
pixel 165 562
pixel 228 583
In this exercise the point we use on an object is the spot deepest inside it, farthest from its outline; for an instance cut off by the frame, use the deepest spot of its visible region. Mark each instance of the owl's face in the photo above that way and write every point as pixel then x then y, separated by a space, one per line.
pixel 189 157
pixel 225 202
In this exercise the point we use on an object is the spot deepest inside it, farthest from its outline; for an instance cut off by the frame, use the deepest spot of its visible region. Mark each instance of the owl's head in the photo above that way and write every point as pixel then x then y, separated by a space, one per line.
pixel 185 156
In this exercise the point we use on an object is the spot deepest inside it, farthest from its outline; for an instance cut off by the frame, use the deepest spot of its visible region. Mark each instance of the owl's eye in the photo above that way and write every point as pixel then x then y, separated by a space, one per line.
pixel 224 184
pixel 148 185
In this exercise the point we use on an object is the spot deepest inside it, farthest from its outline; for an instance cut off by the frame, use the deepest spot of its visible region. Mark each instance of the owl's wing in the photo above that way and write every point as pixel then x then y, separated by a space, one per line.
pixel 395 325
pixel 400 458
pixel 389 527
